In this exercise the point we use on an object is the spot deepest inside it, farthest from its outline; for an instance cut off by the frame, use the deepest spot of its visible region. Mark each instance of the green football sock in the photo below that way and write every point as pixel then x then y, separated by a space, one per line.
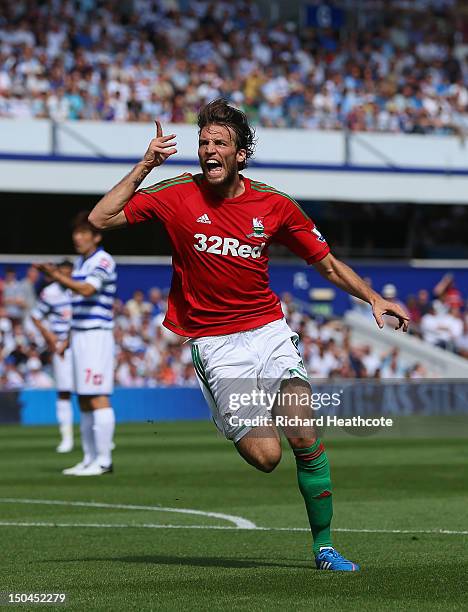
pixel 313 475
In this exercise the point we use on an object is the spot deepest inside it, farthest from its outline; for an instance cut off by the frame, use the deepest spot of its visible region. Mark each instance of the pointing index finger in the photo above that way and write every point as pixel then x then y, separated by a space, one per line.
pixel 159 131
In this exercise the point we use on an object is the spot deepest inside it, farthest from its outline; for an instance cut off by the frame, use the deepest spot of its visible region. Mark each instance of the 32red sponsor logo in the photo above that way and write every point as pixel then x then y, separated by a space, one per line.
pixel 226 246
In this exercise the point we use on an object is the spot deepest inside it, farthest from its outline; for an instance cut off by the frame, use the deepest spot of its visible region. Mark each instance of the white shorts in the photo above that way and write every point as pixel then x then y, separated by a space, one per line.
pixel 235 364
pixel 93 361
pixel 63 371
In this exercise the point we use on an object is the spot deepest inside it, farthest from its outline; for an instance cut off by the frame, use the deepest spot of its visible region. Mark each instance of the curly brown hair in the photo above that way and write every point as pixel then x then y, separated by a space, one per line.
pixel 219 112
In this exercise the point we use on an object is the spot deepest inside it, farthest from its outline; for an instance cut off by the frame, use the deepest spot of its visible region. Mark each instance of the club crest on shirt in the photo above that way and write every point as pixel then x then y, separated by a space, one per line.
pixel 320 238
pixel 258 229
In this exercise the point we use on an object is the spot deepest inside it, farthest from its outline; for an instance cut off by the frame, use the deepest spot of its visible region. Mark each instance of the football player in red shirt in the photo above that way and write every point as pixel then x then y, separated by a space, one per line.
pixel 221 224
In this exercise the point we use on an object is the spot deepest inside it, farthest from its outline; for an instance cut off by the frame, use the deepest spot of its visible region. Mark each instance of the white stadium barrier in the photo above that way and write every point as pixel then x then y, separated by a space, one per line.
pixel 88 157
pixel 441 363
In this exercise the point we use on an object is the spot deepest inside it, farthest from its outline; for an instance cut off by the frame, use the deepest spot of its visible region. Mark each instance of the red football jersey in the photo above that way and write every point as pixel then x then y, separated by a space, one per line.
pixel 220 282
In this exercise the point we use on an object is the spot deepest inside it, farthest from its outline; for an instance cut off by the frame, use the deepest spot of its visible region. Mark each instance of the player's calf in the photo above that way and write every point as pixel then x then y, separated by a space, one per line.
pixel 261 448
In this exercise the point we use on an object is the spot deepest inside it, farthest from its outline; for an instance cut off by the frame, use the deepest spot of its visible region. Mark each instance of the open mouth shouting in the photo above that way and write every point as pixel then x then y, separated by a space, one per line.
pixel 214 168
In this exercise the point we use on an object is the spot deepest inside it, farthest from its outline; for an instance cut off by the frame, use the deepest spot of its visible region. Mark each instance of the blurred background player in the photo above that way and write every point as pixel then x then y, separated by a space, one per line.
pixel 93 283
pixel 52 316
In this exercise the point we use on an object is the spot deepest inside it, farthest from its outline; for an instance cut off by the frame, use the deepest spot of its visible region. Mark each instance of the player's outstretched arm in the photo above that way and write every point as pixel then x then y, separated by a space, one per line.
pixel 81 287
pixel 345 278
pixel 108 212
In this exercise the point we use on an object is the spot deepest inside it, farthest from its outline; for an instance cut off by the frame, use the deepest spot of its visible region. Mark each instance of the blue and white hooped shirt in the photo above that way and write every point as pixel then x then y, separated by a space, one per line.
pixel 95 311
pixel 54 307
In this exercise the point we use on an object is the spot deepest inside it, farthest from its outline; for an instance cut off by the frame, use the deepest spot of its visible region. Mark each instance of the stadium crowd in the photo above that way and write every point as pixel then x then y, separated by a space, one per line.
pixel 147 354
pixel 400 67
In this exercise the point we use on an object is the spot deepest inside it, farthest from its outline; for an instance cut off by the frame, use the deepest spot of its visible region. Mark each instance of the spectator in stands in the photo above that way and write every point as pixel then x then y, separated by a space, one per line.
pixel 391 366
pixel 13 296
pixel 165 375
pixel 121 315
pixel 423 302
pixel 11 379
pixel 20 346
pixel 6 326
pixel 127 374
pixel 429 325
pixel 187 377
pixel 413 310
pixel 442 328
pixel 417 307
pixel 28 288
pixel 402 70
pixel 417 371
pixel 137 306
pixel 36 377
pixel 451 326
pixel 322 362
pixel 447 295
pixel 370 361
pixel 131 339
pixel 356 364
pixel 156 301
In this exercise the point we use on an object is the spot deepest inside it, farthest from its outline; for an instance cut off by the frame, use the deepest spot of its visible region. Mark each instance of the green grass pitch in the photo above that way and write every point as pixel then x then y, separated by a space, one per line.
pixel 119 558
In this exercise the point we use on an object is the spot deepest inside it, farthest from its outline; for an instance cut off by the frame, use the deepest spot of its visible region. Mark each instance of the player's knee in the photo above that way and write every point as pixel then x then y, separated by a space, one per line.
pixel 85 403
pixel 268 461
pixel 98 401
pixel 261 448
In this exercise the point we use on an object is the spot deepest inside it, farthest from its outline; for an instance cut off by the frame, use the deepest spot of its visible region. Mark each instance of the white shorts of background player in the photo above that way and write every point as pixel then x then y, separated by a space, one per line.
pixel 93 361
pixel 63 371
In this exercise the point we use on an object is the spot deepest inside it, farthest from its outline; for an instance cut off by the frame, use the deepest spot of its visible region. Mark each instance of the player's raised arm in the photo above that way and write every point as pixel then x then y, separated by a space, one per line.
pixel 108 212
pixel 345 278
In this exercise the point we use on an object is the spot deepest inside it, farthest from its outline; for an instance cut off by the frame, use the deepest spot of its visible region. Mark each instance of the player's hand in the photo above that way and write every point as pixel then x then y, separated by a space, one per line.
pixel 52 342
pixel 60 349
pixel 383 307
pixel 160 148
pixel 46 268
pixel 52 345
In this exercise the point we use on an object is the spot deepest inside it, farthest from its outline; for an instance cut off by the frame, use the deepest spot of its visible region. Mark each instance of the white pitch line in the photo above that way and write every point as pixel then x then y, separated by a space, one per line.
pixel 226 528
pixel 121 526
pixel 350 530
pixel 238 521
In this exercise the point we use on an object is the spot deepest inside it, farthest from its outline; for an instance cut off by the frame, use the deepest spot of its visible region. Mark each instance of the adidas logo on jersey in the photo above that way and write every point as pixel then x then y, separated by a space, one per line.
pixel 204 219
